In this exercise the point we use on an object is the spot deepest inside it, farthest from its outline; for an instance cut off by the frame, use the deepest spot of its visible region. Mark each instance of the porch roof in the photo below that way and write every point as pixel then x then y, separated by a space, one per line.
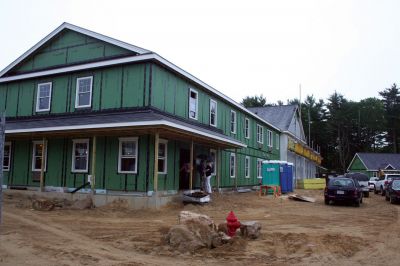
pixel 147 120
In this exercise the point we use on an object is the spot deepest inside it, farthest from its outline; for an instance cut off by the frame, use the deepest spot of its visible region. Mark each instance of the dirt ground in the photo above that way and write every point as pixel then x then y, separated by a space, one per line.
pixel 293 233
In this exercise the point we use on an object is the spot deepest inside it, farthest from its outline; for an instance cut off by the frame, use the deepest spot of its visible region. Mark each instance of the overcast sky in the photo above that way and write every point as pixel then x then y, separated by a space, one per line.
pixel 238 47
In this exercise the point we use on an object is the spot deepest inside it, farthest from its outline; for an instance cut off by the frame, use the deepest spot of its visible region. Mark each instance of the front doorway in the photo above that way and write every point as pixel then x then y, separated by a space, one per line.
pixel 184 166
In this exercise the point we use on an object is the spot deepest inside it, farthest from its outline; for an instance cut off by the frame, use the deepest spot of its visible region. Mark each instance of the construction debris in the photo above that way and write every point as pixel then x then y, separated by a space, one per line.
pixel 250 229
pixel 301 198
pixel 50 204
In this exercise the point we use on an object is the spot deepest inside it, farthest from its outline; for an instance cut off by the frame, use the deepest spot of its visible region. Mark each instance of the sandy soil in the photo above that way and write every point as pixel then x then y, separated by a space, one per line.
pixel 293 233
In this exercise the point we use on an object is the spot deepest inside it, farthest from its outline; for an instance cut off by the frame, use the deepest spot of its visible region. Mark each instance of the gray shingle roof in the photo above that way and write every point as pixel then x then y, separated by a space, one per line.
pixel 374 161
pixel 279 116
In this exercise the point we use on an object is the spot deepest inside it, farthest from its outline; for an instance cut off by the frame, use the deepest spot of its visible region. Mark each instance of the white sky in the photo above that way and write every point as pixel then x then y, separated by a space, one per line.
pixel 240 48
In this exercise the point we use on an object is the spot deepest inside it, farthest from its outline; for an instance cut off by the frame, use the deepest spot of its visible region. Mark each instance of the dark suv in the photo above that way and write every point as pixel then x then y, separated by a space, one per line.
pixel 393 191
pixel 342 189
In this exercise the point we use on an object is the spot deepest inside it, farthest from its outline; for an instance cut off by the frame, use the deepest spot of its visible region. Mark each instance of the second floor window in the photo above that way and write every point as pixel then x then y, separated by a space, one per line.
pixel 270 139
pixel 260 134
pixel 233 122
pixel 43 98
pixel 246 128
pixel 193 103
pixel 83 92
pixel 277 141
pixel 213 113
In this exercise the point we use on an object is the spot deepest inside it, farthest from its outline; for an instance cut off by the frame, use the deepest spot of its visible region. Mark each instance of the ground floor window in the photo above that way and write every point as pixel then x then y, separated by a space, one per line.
pixel 39 152
pixel 259 168
pixel 232 165
pixel 7 156
pixel 127 159
pixel 80 155
pixel 247 167
pixel 162 156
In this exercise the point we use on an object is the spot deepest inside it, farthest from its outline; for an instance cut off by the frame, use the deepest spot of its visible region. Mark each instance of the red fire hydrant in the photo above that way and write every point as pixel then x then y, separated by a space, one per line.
pixel 232 223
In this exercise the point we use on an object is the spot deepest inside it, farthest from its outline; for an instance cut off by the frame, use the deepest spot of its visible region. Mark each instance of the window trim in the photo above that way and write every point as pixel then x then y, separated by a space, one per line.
pixel 38 96
pixel 270 139
pixel 7 143
pixel 262 134
pixel 259 161
pixel 77 92
pixel 75 141
pixel 197 103
pixel 246 128
pixel 34 143
pixel 247 161
pixel 234 122
pixel 215 162
pixel 232 155
pixel 164 141
pixel 216 112
pixel 120 141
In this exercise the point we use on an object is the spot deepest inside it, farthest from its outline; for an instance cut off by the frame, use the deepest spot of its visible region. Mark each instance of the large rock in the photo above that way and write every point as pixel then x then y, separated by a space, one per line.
pixel 181 238
pixel 187 216
pixel 250 229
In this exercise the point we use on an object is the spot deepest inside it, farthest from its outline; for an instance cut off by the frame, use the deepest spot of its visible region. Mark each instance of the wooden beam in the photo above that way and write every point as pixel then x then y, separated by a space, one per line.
pixel 191 166
pixel 217 170
pixel 93 171
pixel 236 168
pixel 156 144
pixel 44 151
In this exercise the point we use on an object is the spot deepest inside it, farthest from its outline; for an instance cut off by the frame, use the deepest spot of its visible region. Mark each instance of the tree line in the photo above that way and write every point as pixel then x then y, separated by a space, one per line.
pixel 342 127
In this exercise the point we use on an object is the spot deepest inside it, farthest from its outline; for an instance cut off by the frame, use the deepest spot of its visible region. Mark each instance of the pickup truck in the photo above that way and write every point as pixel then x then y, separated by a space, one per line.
pixel 381 184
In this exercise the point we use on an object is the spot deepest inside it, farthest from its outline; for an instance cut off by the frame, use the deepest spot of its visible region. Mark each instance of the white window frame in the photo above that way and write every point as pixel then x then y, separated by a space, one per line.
pixel 36 142
pixel 165 142
pixel 270 139
pixel 232 169
pixel 6 168
pixel 247 128
pixel 212 151
pixel 197 103
pixel 234 122
pixel 277 141
pixel 247 164
pixel 77 92
pixel 259 168
pixel 38 97
pixel 127 139
pixel 216 112
pixel 260 134
pixel 75 141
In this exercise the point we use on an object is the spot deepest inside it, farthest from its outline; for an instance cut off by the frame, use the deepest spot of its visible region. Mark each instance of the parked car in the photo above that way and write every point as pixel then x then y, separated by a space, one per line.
pixel 372 182
pixel 343 189
pixel 381 184
pixel 362 180
pixel 393 191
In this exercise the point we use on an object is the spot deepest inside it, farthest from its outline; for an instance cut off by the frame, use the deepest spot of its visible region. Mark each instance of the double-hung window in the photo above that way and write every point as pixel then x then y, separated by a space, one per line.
pixel 247 128
pixel 247 167
pixel 232 165
pixel 127 161
pixel 80 155
pixel 39 152
pixel 43 97
pixel 270 139
pixel 162 156
pixel 213 113
pixel 233 122
pixel 83 96
pixel 260 134
pixel 193 103
pixel 7 156
pixel 259 168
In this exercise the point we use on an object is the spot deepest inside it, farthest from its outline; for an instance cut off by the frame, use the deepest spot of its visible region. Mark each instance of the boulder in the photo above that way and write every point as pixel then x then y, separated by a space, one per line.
pixel 250 229
pixel 187 216
pixel 181 238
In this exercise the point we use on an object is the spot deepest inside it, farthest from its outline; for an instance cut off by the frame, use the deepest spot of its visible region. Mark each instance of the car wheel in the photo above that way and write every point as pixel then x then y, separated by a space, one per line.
pixel 375 191
pixel 382 192
pixel 366 194
pixel 326 201
pixel 357 203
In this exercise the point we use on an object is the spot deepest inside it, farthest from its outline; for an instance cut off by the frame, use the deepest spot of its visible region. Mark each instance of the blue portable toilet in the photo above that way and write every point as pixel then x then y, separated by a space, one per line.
pixel 291 177
pixel 286 177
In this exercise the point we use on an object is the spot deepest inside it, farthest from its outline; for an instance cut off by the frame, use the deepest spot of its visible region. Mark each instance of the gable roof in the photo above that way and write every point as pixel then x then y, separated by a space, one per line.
pixel 69 26
pixel 281 115
pixel 144 55
pixel 375 161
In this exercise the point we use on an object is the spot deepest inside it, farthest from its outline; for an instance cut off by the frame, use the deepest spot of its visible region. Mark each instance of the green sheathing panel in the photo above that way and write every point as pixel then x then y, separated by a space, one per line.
pixel 68 48
pixel 358 166
pixel 113 88
pixel 21 163
pixel 55 160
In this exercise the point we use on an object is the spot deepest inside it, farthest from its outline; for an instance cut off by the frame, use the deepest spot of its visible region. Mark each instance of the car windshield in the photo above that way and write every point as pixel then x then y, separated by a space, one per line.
pixel 358 176
pixel 342 183
pixel 373 178
pixel 396 184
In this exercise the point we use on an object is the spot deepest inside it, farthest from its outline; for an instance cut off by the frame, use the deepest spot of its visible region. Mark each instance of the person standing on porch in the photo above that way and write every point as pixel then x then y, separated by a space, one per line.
pixel 209 171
